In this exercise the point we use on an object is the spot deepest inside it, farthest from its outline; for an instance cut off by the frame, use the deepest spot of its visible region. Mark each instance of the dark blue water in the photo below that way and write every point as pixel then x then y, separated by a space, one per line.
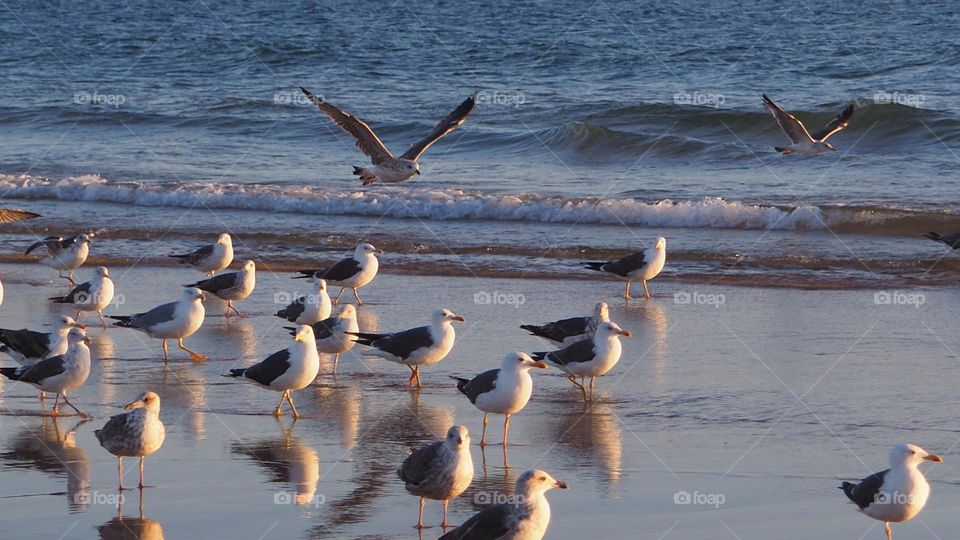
pixel 616 114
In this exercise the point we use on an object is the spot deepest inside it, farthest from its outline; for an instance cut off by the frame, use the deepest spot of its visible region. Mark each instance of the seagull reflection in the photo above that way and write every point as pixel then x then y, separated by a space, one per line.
pixel 593 438
pixel 342 405
pixel 184 392
pixel 131 528
pixel 650 321
pixel 287 460
pixel 51 449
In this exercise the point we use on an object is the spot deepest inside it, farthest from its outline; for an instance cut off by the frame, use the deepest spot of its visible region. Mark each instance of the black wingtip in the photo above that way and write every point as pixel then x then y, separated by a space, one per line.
pixel 236 372
pixel 934 236
pixel 9 373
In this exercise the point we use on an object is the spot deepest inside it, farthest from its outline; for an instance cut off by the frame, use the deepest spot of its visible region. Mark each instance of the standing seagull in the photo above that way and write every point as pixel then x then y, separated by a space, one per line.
pixel 93 295
pixel 58 374
pixel 952 240
pixel 352 272
pixel 803 142
pixel 334 335
pixel 231 286
pixel 293 368
pixel 27 346
pixel 527 518
pixel 897 494
pixel 211 258
pixel 440 471
pixel 589 357
pixel 386 167
pixel 501 391
pixel 176 320
pixel 568 331
pixel 641 266
pixel 137 433
pixel 64 254
pixel 310 308
pixel 422 346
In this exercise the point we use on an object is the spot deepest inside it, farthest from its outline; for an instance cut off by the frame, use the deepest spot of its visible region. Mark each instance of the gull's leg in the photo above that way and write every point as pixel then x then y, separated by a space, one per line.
pixel 337 299
pixel 416 371
pixel 103 322
pixel 296 415
pixel 70 278
pixel 79 412
pixel 278 411
pixel 120 471
pixel 483 436
pixel 336 362
pixel 592 381
pixel 627 293
pixel 357 296
pixel 43 396
pixel 56 405
pixel 444 523
pixel 413 375
pixel 646 291
pixel 141 486
pixel 889 533
pixel 77 318
pixel 578 385
pixel 235 310
pixel 164 345
pixel 193 354
pixel 506 430
pixel 423 502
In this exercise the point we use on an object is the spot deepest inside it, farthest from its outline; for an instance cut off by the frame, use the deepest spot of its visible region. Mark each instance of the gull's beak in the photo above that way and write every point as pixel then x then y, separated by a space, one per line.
pixel 80 326
pixel 561 485
pixel 458 318
pixel 379 252
pixel 541 365
pixel 87 340
pixel 459 440
pixel 134 405
pixel 418 172
pixel 625 333
pixel 203 296
pixel 934 458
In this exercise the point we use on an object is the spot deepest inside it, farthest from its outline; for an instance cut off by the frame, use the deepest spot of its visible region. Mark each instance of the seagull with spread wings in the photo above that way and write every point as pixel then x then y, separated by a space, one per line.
pixel 804 142
pixel 386 166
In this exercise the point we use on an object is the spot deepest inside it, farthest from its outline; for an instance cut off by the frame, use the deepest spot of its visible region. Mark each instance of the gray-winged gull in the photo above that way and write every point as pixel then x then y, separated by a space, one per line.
pixel 175 320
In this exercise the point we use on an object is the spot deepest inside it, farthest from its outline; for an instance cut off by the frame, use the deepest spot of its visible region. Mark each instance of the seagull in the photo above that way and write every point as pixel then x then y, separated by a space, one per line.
pixel 952 240
pixel 136 433
pixel 64 253
pixel 231 285
pixel 525 518
pixel 27 346
pixel 641 266
pixel 592 357
pixel 422 346
pixel 352 272
pixel 9 215
pixel 310 308
pixel 501 391
pixel 333 334
pixel 176 320
pixel 568 331
pixel 803 142
pixel 211 258
pixel 58 374
pixel 93 295
pixel 293 368
pixel 897 494
pixel 386 167
pixel 440 471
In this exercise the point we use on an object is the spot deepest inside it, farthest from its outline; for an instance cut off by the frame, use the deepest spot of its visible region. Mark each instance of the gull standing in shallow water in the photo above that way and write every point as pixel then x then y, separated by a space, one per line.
pixel 334 335
pixel 386 167
pixel 440 471
pixel 293 368
pixel 353 272
pixel 59 374
pixel 27 346
pixel 176 320
pixel 231 286
pixel 569 331
pixel 310 308
pixel 897 494
pixel 804 142
pixel 64 254
pixel 592 357
pixel 211 258
pixel 641 266
pixel 416 347
pixel 525 518
pixel 501 391
pixel 137 433
pixel 93 295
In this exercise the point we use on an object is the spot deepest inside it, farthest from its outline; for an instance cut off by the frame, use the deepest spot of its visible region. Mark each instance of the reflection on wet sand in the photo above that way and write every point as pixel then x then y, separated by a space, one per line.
pixel 592 437
pixel 240 334
pixel 287 460
pixel 342 404
pixel 103 350
pixel 183 388
pixel 649 345
pixel 131 528
pixel 52 448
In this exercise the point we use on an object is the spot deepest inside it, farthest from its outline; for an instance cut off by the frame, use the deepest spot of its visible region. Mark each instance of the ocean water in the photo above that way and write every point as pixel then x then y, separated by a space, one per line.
pixel 598 127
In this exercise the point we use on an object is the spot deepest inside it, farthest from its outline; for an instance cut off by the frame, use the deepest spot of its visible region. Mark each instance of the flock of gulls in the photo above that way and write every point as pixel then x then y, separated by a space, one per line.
pixel 584 348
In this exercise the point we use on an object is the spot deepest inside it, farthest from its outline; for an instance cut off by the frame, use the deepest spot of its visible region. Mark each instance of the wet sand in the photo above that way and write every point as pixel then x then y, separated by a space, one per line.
pixel 752 409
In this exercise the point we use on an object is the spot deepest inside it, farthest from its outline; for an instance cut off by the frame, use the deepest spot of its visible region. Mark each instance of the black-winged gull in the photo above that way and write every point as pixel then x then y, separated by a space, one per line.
pixel 310 308
pixel 440 471
pixel 804 142
pixel 94 295
pixel 335 335
pixel 59 374
pixel 64 254
pixel 231 286
pixel 568 331
pixel 210 258
pixel 350 273
pixel 641 266
pixel 592 357
pixel 136 433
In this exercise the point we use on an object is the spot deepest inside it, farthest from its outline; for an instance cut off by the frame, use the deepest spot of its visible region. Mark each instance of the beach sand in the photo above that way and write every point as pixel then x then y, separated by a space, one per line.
pixel 749 404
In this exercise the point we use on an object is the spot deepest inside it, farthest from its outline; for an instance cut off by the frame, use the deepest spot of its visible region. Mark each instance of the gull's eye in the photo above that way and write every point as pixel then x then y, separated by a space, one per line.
pixel 543 478
pixel 912 453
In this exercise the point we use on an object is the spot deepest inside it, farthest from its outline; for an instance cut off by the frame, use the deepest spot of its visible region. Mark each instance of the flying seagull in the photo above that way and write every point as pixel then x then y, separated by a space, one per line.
pixel 501 391
pixel 93 295
pixel 175 320
pixel 211 258
pixel 803 141
pixel 526 517
pixel 641 266
pixel 569 331
pixel 8 215
pixel 387 167
pixel 592 357
pixel 897 494
pixel 350 273
pixel 440 471
pixel 58 374
pixel 137 433
pixel 64 254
